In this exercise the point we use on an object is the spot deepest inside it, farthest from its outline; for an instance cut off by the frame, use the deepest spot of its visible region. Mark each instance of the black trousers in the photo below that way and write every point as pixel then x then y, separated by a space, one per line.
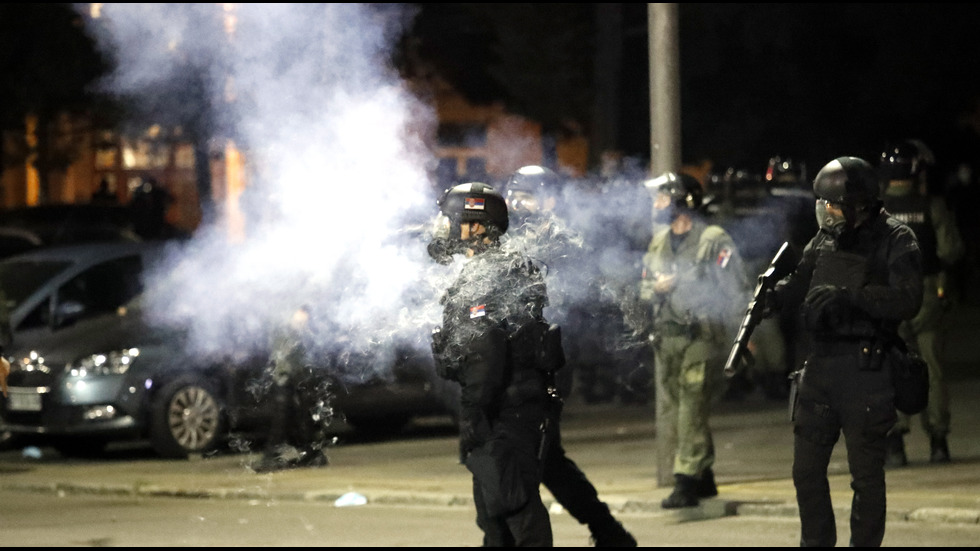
pixel 506 484
pixel 292 421
pixel 839 394
pixel 571 488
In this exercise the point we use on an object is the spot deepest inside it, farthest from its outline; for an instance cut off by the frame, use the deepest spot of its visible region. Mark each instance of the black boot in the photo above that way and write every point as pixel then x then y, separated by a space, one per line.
pixel 940 450
pixel 311 457
pixel 896 451
pixel 684 494
pixel 611 533
pixel 706 484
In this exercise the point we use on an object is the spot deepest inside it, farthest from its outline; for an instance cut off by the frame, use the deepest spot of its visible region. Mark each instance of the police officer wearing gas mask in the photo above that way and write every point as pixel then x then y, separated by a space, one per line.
pixel 495 343
pixel 858 278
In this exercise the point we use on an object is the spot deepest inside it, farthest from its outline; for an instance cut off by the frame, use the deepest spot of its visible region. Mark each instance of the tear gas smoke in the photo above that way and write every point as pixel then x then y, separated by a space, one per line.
pixel 336 143
pixel 339 196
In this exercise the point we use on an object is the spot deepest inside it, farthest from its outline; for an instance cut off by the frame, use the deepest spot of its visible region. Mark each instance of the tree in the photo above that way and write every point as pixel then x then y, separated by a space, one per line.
pixel 48 65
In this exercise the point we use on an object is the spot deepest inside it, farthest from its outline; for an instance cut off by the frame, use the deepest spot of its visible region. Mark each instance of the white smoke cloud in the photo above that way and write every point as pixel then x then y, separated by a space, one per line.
pixel 336 144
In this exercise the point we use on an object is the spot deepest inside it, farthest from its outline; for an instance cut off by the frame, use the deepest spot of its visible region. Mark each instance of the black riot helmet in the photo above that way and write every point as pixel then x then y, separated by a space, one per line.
pixel 905 160
pixel 530 190
pixel 462 204
pixel 851 185
pixel 675 193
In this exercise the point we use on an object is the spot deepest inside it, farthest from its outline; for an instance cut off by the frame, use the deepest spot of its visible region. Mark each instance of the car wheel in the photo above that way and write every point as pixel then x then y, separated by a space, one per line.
pixel 387 425
pixel 186 418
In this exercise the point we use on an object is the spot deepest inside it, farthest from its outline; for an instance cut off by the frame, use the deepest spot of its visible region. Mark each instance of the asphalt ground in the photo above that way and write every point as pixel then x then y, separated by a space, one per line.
pixel 614 444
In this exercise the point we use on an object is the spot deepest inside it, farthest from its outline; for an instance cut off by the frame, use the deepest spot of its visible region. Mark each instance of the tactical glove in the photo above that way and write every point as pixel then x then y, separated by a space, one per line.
pixel 827 306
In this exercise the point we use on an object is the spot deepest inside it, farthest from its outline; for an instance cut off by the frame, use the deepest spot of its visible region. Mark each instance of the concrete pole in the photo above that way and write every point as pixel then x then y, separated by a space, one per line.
pixel 665 155
pixel 665 98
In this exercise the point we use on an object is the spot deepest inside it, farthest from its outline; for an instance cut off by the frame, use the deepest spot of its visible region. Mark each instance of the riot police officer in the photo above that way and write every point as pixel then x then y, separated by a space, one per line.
pixel 532 194
pixel 496 343
pixel 492 343
pixel 696 286
pixel 906 169
pixel 858 278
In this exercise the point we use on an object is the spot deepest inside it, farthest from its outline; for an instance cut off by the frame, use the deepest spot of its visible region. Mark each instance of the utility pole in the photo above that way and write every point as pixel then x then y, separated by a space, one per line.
pixel 665 155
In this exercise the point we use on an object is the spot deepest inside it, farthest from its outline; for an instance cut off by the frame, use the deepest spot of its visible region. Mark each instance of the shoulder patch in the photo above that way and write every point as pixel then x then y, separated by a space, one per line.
pixel 723 257
pixel 478 311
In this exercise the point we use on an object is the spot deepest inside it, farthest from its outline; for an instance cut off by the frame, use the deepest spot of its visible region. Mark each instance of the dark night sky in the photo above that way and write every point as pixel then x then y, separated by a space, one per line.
pixel 811 81
pixel 814 81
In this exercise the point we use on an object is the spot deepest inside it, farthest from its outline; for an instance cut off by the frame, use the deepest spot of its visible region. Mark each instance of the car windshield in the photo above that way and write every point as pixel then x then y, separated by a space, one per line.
pixel 20 279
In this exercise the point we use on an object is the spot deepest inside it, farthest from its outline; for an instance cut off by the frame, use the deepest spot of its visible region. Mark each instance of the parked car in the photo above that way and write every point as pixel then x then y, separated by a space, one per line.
pixel 88 368
pixel 27 228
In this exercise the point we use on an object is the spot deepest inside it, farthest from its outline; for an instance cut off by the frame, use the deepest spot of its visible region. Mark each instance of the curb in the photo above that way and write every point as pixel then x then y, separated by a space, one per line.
pixel 708 509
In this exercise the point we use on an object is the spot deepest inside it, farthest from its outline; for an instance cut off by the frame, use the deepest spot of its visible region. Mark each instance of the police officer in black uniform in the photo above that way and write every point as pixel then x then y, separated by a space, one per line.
pixel 496 343
pixel 532 194
pixel 906 169
pixel 505 416
pixel 859 277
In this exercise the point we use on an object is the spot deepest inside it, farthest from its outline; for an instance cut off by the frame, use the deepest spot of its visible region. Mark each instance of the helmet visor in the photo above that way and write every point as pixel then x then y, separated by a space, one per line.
pixel 522 201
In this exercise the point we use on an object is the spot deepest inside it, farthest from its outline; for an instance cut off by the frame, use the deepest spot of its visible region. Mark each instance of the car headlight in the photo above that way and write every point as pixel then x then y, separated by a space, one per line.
pixel 116 362
pixel 31 362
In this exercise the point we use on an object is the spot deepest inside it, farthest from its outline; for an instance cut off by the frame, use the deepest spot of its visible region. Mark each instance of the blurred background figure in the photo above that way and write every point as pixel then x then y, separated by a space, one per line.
pixel 296 434
pixel 761 212
pixel 149 203
pixel 910 195
pixel 105 195
pixel 585 299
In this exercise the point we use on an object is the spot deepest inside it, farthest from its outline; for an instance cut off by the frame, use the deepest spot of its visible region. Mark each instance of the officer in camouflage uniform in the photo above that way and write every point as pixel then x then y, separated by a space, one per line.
pixel 906 168
pixel 697 287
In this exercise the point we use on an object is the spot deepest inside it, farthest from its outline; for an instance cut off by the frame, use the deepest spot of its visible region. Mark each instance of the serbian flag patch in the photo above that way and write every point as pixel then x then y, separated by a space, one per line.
pixel 474 203
pixel 478 311
pixel 723 257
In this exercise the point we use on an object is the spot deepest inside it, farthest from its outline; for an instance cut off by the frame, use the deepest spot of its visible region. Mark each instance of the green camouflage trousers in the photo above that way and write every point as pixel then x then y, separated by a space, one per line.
pixel 690 376
pixel 923 332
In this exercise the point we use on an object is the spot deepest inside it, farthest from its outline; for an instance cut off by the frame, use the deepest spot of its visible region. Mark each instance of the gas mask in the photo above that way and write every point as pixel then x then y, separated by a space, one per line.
pixel 441 247
pixel 830 220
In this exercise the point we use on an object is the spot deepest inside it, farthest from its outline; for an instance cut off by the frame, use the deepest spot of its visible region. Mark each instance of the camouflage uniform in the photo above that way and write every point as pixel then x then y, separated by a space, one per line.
pixel 935 228
pixel 693 326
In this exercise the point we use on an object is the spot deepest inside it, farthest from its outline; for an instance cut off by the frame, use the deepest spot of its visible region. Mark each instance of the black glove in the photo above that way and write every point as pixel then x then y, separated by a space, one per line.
pixel 770 303
pixel 473 433
pixel 827 306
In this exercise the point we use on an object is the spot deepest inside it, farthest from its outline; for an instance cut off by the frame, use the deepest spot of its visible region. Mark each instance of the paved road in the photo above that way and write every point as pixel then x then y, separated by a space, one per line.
pixel 615 445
